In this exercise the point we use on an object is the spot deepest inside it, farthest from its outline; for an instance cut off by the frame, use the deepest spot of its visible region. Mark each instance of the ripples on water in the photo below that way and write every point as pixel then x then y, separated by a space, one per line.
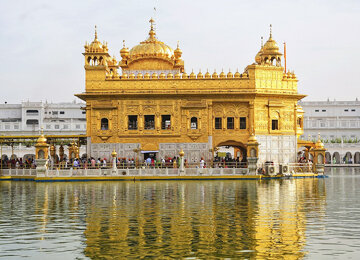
pixel 278 219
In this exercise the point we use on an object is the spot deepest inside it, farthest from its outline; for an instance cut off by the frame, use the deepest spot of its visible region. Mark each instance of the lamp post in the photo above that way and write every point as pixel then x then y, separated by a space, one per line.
pixel 182 169
pixel 114 168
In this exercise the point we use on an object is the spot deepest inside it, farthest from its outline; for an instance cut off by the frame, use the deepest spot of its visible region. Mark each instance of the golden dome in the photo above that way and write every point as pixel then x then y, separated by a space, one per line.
pixel 132 76
pixel 177 75
pixel 230 75
pixel 185 75
pixel 154 75
pixel 177 52
pixel 170 76
pixel 252 139
pixel 96 45
pixel 139 75
pixel 151 47
pixel 319 144
pixel 162 75
pixel 215 75
pixel 113 154
pixel 41 140
pixel 192 75
pixel 124 76
pixel 222 75
pixel 237 74
pixel 124 52
pixel 271 47
pixel 200 75
pixel 147 75
pixel 207 75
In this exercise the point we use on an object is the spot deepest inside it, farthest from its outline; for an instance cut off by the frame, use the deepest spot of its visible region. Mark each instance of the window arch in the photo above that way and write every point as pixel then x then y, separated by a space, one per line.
pixel 104 124
pixel 194 123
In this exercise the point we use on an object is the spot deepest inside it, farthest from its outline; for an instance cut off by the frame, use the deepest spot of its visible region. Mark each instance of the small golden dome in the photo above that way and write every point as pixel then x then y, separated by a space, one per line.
pixel 200 75
pixel 319 144
pixel 293 75
pixel 113 154
pixel 181 153
pixel 162 75
pixel 215 75
pixel 230 75
pixel 124 52
pixel 177 75
pixel 252 139
pixel 177 52
pixel 192 75
pixel 132 76
pixel 96 45
pixel 41 140
pixel 185 75
pixel 124 75
pixel 154 75
pixel 147 75
pixel 139 75
pixel 207 75
pixel 271 47
pixel 237 74
pixel 170 76
pixel 222 75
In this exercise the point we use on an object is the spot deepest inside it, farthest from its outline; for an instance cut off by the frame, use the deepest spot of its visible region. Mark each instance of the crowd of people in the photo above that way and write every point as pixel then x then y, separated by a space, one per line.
pixel 122 163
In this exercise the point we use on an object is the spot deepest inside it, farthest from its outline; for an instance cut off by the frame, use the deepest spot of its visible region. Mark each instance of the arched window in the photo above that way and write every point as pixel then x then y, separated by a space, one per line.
pixel 193 123
pixel 104 124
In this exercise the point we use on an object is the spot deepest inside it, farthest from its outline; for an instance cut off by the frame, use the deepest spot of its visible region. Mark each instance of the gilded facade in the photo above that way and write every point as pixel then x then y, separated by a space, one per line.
pixel 154 106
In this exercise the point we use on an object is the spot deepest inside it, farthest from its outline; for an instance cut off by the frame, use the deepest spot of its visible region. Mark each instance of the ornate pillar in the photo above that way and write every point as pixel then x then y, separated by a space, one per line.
pixel 41 155
pixel 319 157
pixel 252 154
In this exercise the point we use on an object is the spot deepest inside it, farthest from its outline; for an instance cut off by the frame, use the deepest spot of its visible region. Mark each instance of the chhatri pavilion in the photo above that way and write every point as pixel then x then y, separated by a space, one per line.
pixel 154 108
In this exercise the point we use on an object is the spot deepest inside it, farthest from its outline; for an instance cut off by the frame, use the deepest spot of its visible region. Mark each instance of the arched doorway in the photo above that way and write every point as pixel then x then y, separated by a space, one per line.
pixel 336 158
pixel 357 157
pixel 328 158
pixel 348 158
pixel 230 154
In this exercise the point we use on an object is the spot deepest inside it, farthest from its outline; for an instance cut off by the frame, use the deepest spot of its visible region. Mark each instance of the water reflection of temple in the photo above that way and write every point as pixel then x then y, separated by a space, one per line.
pixel 179 219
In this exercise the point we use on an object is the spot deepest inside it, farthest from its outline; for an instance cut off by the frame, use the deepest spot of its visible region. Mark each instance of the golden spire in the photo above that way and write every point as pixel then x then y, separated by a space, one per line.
pixel 152 31
pixel 123 43
pixel 95 33
pixel 270 31
pixel 262 42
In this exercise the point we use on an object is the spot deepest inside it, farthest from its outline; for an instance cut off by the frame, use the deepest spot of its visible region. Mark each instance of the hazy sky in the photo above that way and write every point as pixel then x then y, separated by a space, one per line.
pixel 42 41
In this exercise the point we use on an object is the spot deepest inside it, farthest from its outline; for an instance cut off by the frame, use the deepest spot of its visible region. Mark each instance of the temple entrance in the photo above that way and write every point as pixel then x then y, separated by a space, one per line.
pixel 230 154
pixel 150 154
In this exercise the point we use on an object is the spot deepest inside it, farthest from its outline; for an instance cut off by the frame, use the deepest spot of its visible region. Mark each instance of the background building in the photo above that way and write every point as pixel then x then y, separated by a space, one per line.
pixel 338 123
pixel 27 118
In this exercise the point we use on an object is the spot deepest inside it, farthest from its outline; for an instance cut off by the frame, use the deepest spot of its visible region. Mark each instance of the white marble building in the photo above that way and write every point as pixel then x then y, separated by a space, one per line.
pixel 338 122
pixel 28 117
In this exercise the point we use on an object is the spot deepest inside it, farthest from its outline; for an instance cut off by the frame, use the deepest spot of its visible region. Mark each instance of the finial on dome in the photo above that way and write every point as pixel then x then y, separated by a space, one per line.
pixel 177 44
pixel 262 42
pixel 270 30
pixel 95 32
pixel 152 31
pixel 124 43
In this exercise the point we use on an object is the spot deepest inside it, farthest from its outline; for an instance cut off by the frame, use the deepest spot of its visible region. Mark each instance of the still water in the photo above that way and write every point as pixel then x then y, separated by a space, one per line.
pixel 277 219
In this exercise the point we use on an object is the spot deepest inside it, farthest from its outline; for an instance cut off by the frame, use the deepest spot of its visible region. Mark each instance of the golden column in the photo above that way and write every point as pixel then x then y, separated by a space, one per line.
pixel 41 147
pixel 319 156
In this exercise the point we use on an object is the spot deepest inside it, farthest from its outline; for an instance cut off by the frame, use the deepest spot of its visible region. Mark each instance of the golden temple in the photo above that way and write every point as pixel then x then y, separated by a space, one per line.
pixel 155 107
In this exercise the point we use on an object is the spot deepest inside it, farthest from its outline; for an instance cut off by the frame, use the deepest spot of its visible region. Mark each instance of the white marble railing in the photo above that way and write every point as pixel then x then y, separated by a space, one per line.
pixel 147 172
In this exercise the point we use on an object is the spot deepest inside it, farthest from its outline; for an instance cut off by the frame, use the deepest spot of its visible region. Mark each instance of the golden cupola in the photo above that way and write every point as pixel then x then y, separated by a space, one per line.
pixel 151 56
pixel 96 46
pixel 269 53
pixel 96 53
